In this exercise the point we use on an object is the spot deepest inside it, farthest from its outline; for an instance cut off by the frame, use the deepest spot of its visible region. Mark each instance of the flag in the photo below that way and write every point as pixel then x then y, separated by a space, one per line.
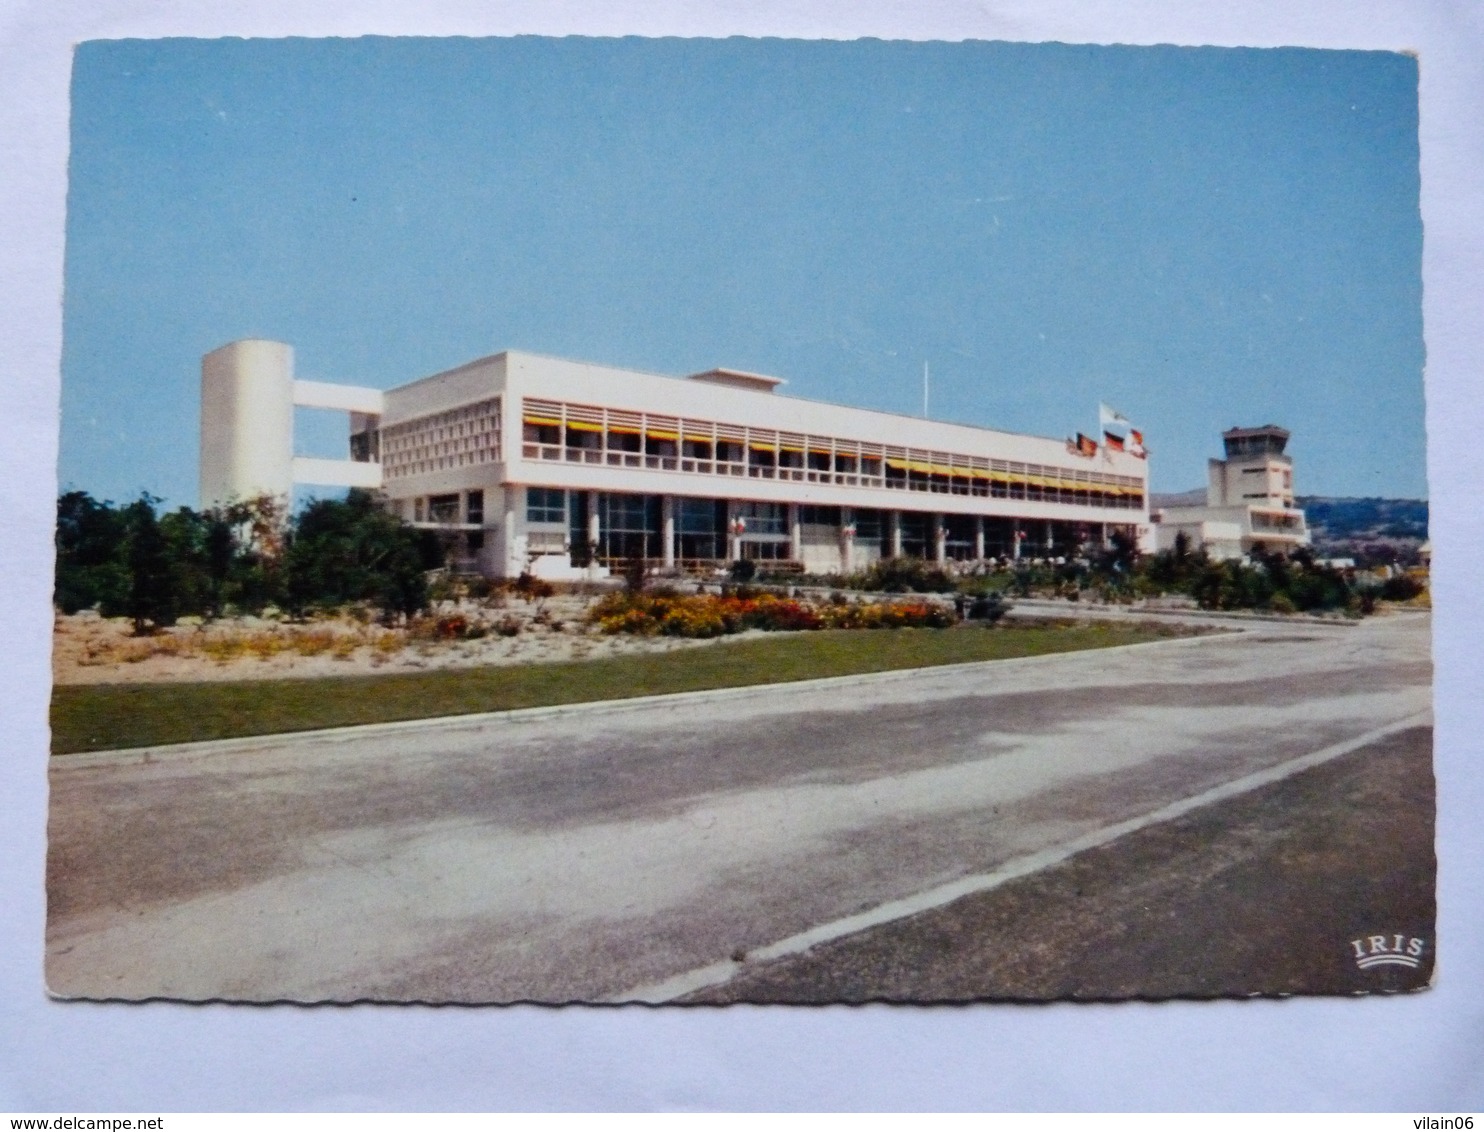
pixel 1112 441
pixel 1107 416
pixel 1136 447
pixel 1086 445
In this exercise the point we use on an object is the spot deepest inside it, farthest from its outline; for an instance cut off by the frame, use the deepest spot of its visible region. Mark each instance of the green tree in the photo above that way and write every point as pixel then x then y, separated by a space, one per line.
pixel 185 532
pixel 92 568
pixel 221 553
pixel 1120 556
pixel 259 528
pixel 343 551
pixel 153 597
pixel 1181 551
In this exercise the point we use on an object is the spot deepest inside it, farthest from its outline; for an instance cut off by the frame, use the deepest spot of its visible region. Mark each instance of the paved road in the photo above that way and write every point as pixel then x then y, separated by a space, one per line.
pixel 585 855
pixel 1263 893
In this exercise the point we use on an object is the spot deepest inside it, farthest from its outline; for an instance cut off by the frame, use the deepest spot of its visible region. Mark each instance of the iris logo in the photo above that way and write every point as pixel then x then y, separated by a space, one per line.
pixel 1387 951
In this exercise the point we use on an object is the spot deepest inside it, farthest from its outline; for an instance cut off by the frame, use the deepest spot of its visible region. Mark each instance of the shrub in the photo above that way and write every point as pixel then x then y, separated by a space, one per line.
pixel 265 646
pixel 906 575
pixel 387 643
pixel 313 643
pixel 702 615
pixel 988 607
pixel 1401 587
pixel 742 570
pixel 635 575
pixel 532 588
pixel 448 627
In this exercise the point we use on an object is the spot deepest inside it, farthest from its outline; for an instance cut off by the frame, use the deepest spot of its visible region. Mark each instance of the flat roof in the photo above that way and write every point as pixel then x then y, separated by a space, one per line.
pixel 771 397
pixel 1260 430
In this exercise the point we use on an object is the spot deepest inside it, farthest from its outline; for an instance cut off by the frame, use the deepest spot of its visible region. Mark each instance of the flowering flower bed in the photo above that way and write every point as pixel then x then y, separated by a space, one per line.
pixel 707 615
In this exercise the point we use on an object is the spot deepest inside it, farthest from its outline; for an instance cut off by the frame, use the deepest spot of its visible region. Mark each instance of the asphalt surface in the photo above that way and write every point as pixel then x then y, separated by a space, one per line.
pixel 1262 894
pixel 647 851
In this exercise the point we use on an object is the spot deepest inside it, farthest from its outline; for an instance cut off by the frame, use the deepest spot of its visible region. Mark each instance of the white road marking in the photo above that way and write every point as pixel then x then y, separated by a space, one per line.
pixel 715 974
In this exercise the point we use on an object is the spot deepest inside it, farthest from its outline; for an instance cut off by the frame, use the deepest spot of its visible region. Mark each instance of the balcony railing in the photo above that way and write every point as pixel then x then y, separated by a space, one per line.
pixel 935 485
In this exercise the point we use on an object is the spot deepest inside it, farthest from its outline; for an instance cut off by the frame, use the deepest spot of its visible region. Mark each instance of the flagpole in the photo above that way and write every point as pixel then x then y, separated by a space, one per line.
pixel 924 389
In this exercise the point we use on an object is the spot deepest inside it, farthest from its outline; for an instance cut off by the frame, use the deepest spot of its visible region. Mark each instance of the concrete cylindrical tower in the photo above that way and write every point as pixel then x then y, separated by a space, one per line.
pixel 247 421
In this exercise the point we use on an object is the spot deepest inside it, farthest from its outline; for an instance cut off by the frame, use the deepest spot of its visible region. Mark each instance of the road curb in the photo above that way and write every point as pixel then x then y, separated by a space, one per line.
pixel 1034 607
pixel 476 720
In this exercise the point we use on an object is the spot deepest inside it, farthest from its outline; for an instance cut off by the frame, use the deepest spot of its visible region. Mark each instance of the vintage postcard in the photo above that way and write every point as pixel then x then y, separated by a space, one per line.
pixel 712 521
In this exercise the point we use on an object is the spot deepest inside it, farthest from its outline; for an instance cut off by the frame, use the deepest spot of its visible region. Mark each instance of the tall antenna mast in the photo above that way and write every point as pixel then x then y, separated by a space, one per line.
pixel 924 389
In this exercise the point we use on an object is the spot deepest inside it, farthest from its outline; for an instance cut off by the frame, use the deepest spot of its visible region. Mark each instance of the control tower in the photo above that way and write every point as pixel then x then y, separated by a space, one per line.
pixel 1249 500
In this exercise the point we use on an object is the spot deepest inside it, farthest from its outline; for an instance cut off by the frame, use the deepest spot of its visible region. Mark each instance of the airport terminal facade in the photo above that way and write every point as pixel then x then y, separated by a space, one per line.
pixel 565 469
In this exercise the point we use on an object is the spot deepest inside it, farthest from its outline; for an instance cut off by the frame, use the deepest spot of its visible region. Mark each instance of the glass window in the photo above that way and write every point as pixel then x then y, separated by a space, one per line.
pixel 814 516
pixel 764 518
pixel 766 551
pixel 577 530
pixel 629 526
pixel 443 508
pixel 918 534
pixel 474 507
pixel 623 441
pixel 697 516
pixel 363 447
pixel 627 513
pixel 700 525
pixel 546 505
pixel 959 545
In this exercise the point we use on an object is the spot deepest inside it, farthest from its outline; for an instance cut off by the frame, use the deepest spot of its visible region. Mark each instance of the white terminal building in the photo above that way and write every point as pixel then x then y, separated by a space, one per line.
pixel 1249 500
pixel 561 468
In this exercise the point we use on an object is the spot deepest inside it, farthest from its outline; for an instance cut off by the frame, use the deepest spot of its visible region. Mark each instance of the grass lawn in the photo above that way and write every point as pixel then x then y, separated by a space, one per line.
pixel 110 716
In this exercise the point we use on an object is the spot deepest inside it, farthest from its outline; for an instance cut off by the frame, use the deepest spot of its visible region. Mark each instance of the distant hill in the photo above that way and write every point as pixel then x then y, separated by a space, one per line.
pixel 1372 531
pixel 1347 518
pixel 1195 498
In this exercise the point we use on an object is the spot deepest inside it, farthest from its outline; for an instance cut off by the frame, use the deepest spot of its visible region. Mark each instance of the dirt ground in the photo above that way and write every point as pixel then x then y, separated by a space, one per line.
pixel 88 649
pixel 1261 895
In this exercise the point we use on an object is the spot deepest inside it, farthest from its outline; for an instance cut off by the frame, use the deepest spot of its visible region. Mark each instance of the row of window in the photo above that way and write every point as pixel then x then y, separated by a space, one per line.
pixel 450 508
pixel 632 526
pixel 1269 522
pixel 594 435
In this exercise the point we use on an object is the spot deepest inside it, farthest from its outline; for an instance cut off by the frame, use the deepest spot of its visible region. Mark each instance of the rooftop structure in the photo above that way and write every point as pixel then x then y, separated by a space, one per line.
pixel 562 468
pixel 1249 500
pixel 1240 443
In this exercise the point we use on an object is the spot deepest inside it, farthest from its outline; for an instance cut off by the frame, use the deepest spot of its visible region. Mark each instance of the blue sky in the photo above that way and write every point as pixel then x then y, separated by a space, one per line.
pixel 1201 237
